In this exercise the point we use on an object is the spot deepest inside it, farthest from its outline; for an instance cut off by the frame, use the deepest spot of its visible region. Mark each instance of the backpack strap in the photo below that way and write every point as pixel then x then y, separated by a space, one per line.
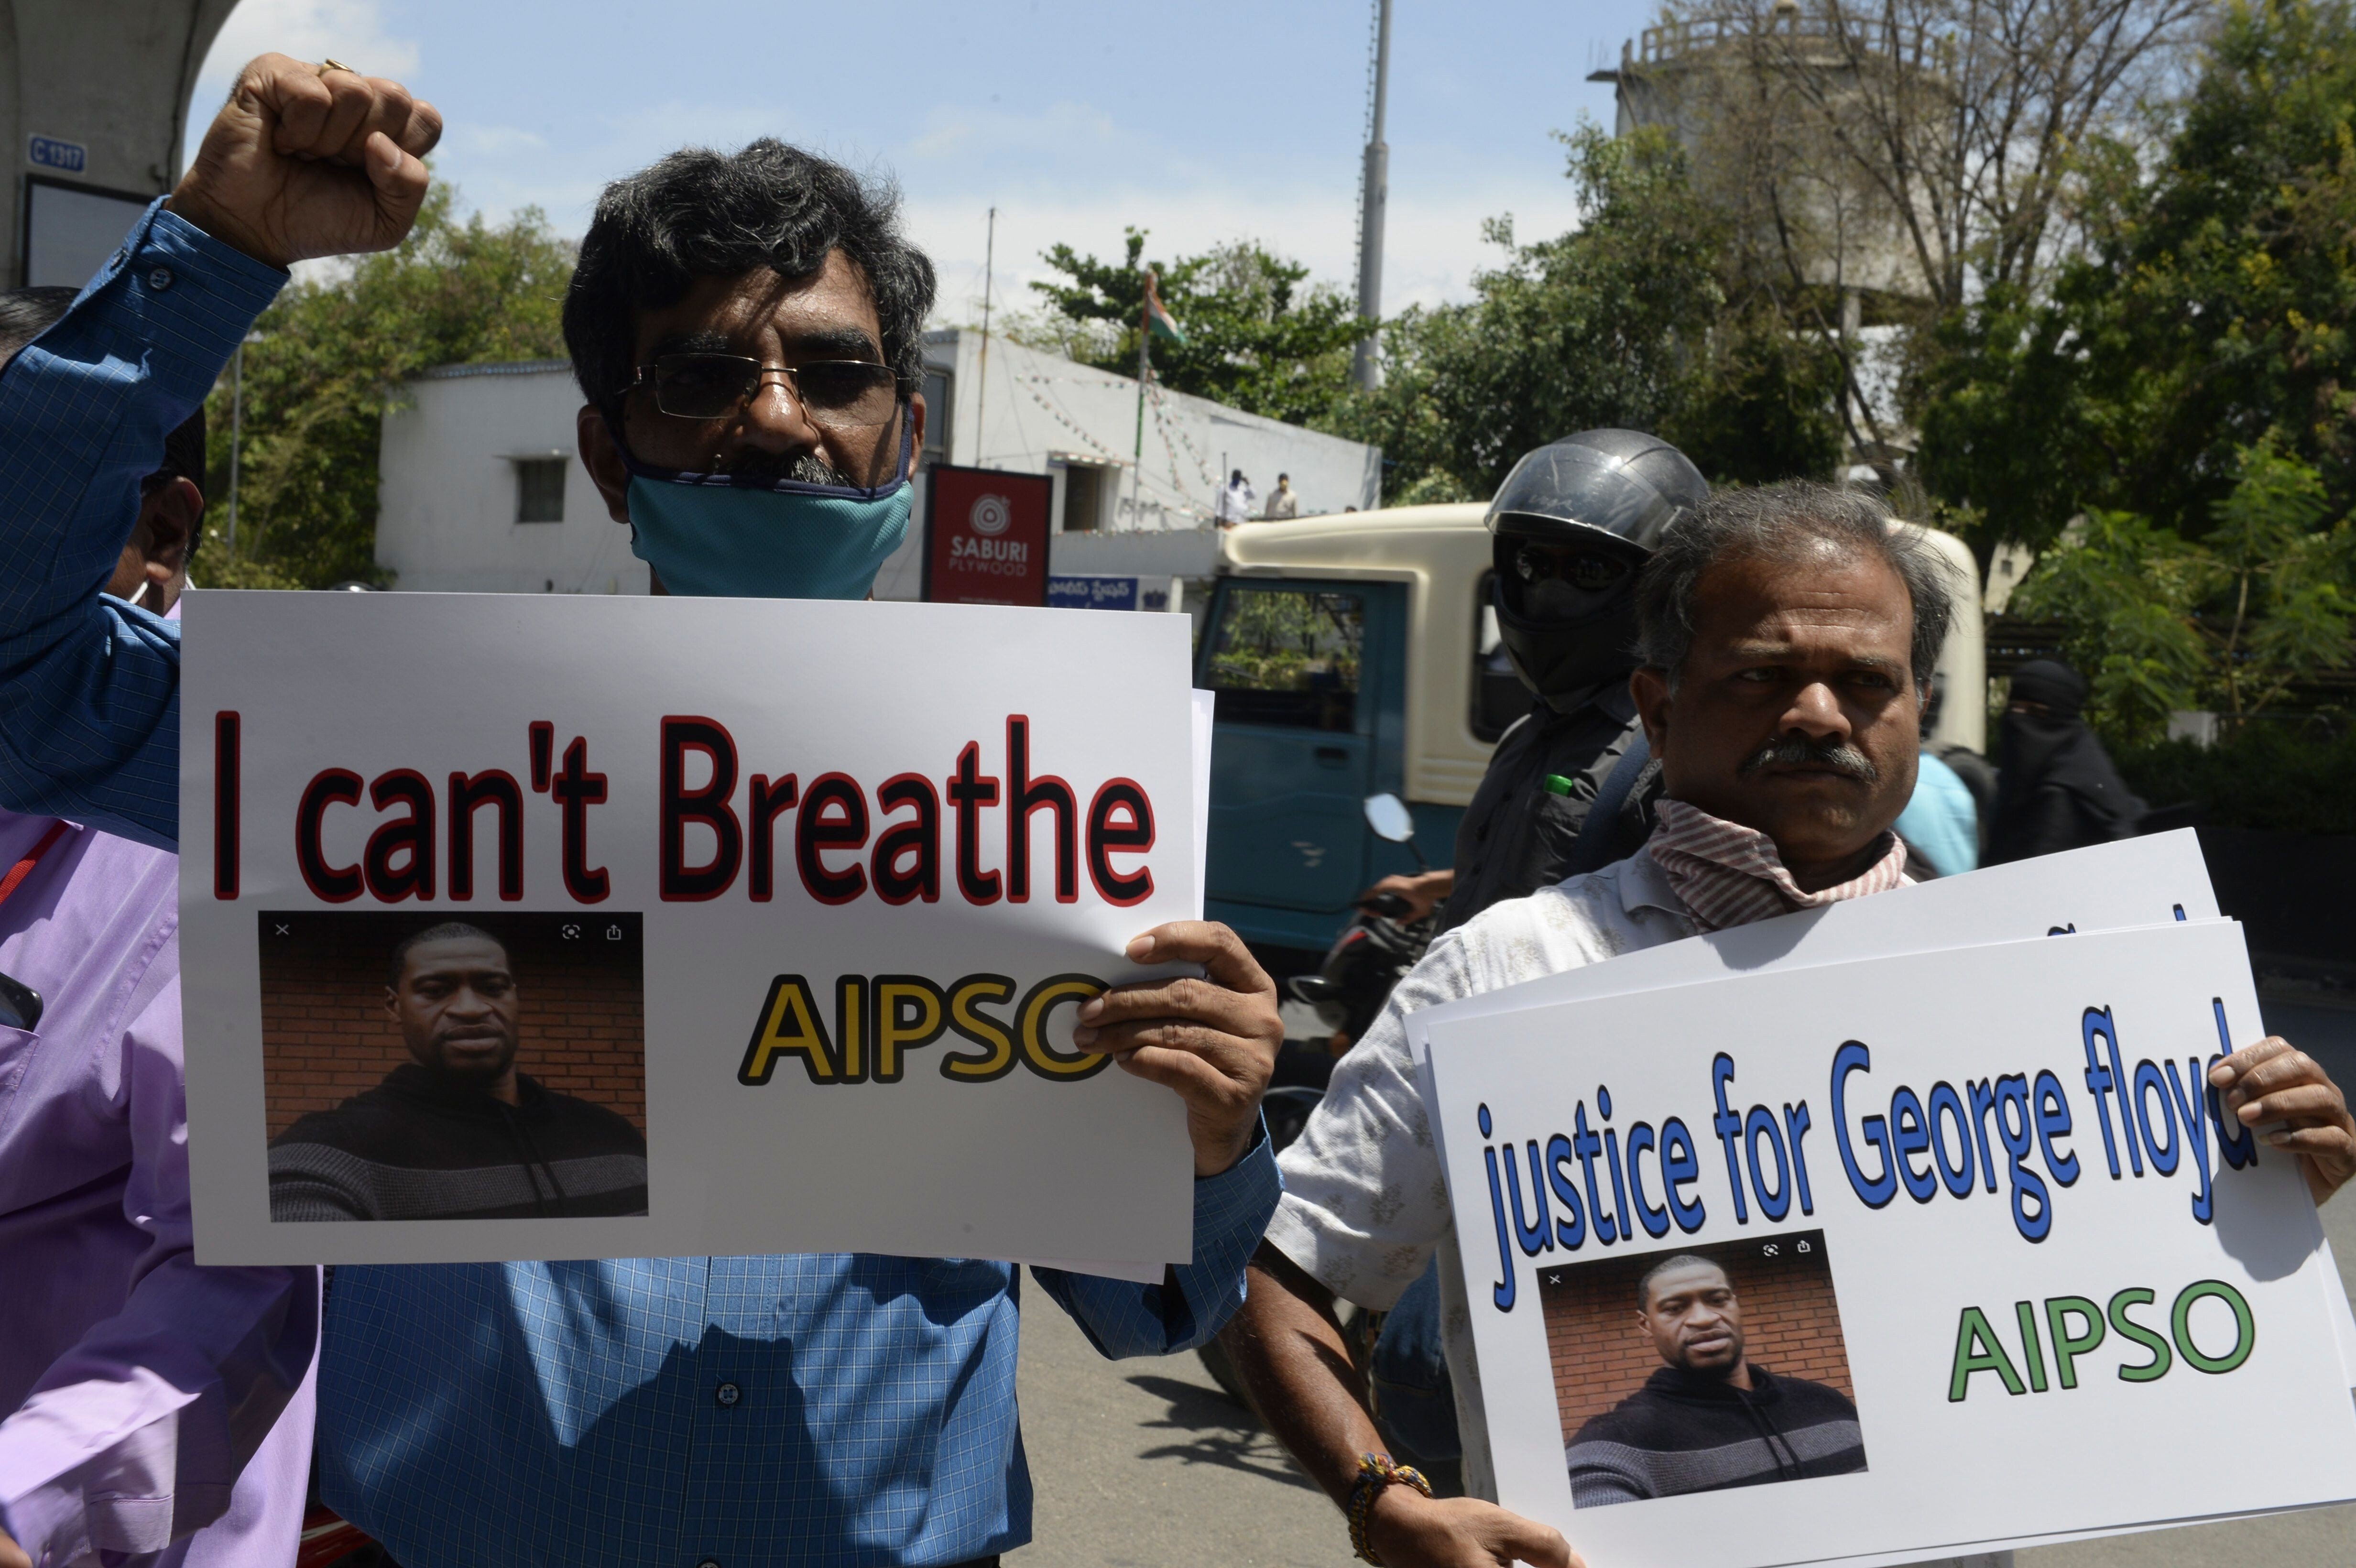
pixel 1595 842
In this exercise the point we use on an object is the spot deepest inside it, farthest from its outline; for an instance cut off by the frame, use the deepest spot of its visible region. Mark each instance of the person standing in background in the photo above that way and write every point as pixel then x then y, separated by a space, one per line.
pixel 150 1410
pixel 1286 503
pixel 1941 823
pixel 2056 787
pixel 1572 524
pixel 154 566
pixel 1235 500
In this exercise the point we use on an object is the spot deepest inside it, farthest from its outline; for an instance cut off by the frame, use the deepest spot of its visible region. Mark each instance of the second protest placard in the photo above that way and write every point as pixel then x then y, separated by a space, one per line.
pixel 1890 1259
pixel 521 927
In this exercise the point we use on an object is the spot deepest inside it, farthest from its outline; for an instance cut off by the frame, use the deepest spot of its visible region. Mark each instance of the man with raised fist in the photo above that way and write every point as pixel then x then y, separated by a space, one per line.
pixel 151 1410
pixel 746 330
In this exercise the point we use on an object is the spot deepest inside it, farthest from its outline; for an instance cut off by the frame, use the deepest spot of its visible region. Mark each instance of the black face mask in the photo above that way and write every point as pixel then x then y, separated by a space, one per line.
pixel 1570 631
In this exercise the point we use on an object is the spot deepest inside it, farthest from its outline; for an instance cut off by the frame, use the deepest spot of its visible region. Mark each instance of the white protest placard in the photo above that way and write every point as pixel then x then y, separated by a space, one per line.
pixel 1975 1204
pixel 2103 887
pixel 807 892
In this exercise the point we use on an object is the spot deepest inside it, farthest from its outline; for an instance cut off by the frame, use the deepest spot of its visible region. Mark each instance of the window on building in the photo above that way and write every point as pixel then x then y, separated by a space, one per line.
pixel 540 490
pixel 1288 656
pixel 1498 695
pixel 1084 491
pixel 939 389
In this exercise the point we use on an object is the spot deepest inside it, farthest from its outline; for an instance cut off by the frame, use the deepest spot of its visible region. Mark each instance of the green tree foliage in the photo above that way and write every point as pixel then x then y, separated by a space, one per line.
pixel 2286 777
pixel 1760 404
pixel 332 352
pixel 1281 640
pixel 1260 338
pixel 2212 305
pixel 1625 321
pixel 2231 621
pixel 1573 332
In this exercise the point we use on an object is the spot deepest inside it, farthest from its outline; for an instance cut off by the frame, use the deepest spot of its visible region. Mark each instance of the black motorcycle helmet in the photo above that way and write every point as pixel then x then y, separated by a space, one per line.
pixel 1572 523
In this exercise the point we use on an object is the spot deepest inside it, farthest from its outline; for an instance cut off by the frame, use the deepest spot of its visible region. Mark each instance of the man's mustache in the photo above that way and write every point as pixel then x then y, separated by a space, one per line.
pixel 1804 751
pixel 807 468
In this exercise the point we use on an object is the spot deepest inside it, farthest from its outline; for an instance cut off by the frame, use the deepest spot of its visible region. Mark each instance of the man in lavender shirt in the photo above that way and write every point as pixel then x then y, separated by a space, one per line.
pixel 151 1412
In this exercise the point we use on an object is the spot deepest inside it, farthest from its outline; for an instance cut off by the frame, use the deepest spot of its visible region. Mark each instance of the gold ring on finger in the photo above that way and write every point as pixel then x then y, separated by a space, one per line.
pixel 326 66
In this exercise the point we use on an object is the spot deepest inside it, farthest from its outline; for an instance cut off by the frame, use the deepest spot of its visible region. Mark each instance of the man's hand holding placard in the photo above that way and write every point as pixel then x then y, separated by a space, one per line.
pixel 1213 1040
pixel 1408 1529
pixel 2273 1080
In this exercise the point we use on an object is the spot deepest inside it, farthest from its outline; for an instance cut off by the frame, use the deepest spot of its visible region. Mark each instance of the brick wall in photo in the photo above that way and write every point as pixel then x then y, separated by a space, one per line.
pixel 326 1036
pixel 1791 1321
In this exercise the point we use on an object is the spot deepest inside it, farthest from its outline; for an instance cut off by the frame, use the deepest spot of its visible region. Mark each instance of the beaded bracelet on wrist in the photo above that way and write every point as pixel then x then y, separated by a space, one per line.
pixel 1376 1471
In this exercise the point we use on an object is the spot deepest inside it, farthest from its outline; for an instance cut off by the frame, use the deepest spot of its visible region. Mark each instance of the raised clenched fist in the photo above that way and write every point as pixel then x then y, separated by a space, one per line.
pixel 303 162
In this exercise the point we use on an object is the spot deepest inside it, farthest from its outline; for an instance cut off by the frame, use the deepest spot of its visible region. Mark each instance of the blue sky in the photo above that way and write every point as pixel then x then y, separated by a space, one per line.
pixel 1206 123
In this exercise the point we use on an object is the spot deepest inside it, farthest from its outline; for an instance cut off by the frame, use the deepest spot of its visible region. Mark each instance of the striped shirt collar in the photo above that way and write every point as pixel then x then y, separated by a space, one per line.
pixel 1731 875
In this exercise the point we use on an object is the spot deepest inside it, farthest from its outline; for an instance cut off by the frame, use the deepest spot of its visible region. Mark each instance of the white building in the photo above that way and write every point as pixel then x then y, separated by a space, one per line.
pixel 479 489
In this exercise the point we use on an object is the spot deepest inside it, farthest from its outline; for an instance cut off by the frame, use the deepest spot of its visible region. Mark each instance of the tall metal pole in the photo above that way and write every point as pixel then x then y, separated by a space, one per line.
pixel 1144 372
pixel 1366 370
pixel 981 377
pixel 236 431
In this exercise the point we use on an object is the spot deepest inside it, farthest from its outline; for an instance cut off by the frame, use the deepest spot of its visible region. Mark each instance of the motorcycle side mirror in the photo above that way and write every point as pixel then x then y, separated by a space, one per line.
pixel 1388 817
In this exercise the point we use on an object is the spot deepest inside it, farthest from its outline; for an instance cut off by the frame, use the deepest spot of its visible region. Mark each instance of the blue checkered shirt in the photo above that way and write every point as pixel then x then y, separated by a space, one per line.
pixel 89 687
pixel 741 1411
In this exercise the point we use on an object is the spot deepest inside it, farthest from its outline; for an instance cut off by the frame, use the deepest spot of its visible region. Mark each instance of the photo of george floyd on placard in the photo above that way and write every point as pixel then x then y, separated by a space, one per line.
pixel 453 1066
pixel 1697 1370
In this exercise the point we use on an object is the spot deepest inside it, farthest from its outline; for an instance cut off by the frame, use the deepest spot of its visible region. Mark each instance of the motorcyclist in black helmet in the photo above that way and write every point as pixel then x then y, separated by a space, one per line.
pixel 1573 522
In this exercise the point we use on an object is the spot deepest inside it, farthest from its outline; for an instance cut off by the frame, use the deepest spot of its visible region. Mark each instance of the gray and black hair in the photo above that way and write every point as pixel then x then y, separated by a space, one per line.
pixel 1787 522
pixel 1682 1260
pixel 704 214
pixel 448 931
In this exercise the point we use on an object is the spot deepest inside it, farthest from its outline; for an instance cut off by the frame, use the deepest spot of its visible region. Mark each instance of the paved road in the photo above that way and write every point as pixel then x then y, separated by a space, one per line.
pixel 1147 1465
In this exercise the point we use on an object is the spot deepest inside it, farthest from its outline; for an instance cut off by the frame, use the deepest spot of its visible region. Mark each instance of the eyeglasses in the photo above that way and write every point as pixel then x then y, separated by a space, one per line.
pixel 1584 572
pixel 842 394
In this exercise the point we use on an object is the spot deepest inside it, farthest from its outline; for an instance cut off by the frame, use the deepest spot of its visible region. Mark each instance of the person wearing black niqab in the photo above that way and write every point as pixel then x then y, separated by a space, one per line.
pixel 2058 789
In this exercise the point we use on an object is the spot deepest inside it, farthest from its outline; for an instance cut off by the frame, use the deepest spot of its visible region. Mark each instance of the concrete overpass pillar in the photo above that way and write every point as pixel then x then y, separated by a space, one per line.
pixel 93 95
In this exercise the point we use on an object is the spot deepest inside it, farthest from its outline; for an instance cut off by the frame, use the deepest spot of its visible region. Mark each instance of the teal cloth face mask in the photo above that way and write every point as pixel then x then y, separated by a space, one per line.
pixel 723 536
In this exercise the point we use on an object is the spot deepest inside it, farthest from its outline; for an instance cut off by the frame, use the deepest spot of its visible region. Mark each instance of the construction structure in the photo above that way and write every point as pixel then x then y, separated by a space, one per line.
pixel 93 99
pixel 1769 105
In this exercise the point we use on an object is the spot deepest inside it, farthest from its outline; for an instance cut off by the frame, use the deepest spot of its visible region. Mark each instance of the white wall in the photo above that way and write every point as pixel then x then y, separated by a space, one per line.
pixel 447 492
pixel 446 495
pixel 1031 407
pixel 1030 412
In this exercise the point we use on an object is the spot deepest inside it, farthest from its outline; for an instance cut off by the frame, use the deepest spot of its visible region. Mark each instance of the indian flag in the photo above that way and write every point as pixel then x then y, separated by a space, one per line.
pixel 1158 319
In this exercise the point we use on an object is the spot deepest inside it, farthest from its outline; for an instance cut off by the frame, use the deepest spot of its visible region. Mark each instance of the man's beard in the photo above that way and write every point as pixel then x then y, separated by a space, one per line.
pixel 1804 751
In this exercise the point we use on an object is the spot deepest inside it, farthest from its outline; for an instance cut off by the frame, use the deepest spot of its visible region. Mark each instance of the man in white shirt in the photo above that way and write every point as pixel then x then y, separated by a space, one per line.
pixel 1235 500
pixel 1788 633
